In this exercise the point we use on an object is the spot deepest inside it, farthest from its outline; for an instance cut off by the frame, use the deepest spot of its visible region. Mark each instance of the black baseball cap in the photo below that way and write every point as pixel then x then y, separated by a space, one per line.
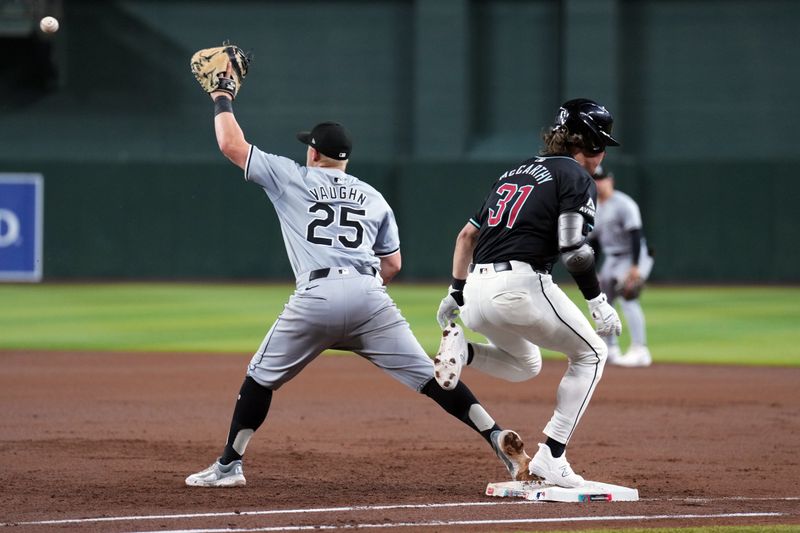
pixel 330 139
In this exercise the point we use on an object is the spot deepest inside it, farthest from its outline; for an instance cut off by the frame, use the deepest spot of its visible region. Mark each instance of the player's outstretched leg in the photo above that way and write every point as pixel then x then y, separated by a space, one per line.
pixel 510 449
pixel 250 412
pixel 462 404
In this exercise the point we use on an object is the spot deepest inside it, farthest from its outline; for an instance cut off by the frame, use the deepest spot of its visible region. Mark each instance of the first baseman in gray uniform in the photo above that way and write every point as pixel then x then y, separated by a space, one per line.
pixel 343 245
pixel 626 266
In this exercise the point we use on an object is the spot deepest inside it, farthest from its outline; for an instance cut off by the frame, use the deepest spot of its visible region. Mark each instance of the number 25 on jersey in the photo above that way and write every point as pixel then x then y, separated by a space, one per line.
pixel 347 219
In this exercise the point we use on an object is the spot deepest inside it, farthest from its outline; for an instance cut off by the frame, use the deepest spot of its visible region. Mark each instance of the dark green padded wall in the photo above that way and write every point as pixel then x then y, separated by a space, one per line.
pixel 717 222
pixel 439 95
pixel 723 221
pixel 710 79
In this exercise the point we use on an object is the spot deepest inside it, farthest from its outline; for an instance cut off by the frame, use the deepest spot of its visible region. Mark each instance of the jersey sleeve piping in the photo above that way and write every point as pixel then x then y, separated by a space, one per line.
pixel 387 254
pixel 474 223
pixel 247 164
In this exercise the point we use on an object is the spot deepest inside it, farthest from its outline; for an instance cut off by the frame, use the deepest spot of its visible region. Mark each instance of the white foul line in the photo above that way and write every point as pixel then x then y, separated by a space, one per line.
pixel 131 518
pixel 257 513
pixel 439 523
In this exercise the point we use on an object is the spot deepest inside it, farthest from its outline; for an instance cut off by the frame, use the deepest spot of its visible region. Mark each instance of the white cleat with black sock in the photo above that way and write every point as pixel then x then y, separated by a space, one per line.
pixel 554 470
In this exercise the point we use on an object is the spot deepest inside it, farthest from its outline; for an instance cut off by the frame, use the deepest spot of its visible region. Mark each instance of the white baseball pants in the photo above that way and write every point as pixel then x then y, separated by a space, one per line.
pixel 520 309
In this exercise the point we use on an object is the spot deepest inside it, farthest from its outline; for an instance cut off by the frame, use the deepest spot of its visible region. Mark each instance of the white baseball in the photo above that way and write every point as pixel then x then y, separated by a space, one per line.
pixel 49 25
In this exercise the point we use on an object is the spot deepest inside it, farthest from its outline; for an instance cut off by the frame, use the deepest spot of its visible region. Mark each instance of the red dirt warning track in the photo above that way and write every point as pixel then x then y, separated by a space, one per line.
pixel 100 438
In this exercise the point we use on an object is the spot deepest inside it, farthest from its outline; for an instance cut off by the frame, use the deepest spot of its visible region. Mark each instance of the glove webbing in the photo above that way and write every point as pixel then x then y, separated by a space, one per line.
pixel 235 62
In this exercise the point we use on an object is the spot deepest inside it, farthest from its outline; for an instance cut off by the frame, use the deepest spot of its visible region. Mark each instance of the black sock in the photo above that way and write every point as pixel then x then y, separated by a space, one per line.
pixel 556 448
pixel 456 402
pixel 250 412
pixel 470 353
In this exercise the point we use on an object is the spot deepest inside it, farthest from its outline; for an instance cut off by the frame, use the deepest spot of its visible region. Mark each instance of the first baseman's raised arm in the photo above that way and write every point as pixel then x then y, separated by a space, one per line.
pixel 230 137
pixel 465 245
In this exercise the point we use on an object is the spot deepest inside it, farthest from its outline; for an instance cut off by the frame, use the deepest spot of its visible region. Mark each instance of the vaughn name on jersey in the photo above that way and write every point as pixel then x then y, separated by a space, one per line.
pixel 338 192
pixel 328 217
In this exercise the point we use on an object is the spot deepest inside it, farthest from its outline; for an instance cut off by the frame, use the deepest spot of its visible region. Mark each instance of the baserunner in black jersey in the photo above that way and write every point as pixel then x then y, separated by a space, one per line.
pixel 537 212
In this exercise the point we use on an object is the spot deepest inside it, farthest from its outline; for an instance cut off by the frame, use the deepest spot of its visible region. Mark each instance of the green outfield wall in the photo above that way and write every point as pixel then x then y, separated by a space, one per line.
pixel 176 220
pixel 439 95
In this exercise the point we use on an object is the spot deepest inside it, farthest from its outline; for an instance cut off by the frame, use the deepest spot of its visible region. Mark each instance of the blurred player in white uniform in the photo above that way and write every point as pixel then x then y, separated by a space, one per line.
pixel 626 265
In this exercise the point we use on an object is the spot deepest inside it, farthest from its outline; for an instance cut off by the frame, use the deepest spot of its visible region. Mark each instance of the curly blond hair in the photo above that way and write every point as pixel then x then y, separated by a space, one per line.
pixel 559 141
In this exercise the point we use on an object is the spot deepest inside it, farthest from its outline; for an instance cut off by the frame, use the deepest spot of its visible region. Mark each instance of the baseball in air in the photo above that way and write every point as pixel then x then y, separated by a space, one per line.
pixel 49 24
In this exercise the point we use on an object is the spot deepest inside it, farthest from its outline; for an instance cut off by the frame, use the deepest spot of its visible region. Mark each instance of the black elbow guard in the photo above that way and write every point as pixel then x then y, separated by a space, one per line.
pixel 578 260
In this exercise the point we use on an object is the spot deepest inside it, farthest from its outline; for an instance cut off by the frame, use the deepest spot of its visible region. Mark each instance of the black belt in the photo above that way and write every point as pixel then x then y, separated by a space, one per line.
pixel 502 266
pixel 323 272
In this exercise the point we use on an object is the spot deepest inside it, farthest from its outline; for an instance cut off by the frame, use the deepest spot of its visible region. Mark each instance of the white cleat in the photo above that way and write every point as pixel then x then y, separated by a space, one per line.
pixel 636 356
pixel 218 475
pixel 451 358
pixel 614 354
pixel 554 470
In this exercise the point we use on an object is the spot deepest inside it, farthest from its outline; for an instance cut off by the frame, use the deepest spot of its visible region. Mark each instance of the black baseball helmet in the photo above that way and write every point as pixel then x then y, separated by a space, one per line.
pixel 589 119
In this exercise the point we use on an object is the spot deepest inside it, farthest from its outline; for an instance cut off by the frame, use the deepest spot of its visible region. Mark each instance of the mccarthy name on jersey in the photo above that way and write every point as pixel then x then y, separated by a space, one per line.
pixel 536 170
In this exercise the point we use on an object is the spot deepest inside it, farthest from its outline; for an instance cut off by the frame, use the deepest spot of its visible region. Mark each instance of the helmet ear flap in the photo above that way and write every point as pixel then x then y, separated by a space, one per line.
pixel 592 134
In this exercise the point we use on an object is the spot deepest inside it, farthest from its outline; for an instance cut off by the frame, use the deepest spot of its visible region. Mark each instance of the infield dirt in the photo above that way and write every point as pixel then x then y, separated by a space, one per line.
pixel 89 435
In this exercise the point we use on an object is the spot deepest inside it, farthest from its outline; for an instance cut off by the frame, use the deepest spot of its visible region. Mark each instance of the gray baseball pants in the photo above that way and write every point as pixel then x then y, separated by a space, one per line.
pixel 344 310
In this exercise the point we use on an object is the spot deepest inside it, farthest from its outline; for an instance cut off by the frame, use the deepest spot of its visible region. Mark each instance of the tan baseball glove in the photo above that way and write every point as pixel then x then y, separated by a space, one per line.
pixel 210 67
pixel 631 287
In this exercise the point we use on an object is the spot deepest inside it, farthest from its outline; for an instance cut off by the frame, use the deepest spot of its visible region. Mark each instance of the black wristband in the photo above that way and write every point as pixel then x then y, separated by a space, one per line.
pixel 587 283
pixel 458 284
pixel 458 296
pixel 222 104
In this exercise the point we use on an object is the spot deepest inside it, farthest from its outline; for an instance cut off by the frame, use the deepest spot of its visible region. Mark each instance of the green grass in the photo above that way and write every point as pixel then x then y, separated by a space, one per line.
pixel 741 325
pixel 710 529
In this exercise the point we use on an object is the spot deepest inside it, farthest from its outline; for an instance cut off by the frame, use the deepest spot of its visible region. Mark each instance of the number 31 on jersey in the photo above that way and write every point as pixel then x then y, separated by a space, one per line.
pixel 507 192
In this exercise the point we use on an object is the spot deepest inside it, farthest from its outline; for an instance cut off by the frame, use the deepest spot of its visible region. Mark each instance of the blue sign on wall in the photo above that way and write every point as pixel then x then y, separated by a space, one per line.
pixel 21 227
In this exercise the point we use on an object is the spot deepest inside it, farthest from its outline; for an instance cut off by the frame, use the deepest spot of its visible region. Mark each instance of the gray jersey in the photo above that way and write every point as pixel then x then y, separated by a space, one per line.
pixel 328 217
pixel 614 220
pixel 331 219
